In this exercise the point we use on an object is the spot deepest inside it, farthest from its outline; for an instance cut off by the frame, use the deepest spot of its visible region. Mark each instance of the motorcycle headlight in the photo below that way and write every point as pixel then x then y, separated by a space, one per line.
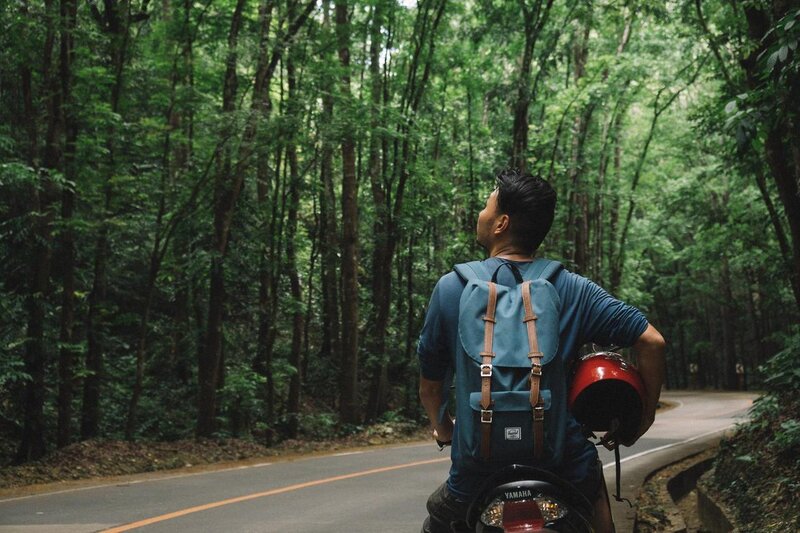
pixel 550 509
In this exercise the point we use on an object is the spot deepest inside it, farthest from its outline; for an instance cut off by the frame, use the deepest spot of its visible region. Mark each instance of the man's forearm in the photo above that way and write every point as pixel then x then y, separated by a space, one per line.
pixel 430 394
pixel 649 350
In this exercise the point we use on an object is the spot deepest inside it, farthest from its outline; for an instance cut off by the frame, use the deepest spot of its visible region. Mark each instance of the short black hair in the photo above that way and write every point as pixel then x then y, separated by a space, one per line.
pixel 530 203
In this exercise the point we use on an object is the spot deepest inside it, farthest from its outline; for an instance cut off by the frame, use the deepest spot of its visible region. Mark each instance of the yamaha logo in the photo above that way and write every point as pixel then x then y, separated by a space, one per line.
pixel 518 494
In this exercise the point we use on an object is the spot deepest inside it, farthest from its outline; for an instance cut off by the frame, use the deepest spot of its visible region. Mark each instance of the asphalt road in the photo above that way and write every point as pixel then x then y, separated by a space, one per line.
pixel 372 490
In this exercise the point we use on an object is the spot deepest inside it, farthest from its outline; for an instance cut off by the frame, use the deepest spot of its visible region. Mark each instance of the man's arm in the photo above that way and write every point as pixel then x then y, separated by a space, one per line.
pixel 430 394
pixel 649 348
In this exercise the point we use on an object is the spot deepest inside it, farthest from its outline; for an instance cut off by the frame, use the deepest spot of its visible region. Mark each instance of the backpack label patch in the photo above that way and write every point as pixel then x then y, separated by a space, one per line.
pixel 513 433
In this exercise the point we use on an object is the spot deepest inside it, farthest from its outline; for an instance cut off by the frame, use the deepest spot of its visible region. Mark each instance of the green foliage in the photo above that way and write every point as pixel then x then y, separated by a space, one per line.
pixel 787 439
pixel 319 426
pixel 155 152
pixel 781 371
pixel 779 59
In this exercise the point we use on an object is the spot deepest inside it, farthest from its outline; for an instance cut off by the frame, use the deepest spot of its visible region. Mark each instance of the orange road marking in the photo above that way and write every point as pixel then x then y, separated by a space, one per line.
pixel 212 505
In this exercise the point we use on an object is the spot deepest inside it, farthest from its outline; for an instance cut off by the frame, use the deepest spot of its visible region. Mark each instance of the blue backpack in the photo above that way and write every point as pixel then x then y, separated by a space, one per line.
pixel 511 390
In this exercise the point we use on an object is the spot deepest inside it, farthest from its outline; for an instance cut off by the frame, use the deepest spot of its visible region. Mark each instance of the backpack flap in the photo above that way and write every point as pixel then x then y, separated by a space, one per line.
pixel 510 339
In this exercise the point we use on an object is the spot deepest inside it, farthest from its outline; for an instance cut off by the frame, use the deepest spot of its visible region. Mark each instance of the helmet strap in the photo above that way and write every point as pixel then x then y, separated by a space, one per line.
pixel 619 481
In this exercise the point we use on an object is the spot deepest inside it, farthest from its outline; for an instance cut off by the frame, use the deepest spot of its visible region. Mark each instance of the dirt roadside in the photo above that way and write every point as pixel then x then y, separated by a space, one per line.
pixel 96 462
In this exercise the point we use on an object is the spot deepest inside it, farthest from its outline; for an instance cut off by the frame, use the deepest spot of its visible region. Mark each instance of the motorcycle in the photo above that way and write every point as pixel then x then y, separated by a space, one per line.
pixel 523 499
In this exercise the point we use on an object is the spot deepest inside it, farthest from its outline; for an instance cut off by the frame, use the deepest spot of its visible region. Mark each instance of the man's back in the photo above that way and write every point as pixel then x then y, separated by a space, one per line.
pixel 588 314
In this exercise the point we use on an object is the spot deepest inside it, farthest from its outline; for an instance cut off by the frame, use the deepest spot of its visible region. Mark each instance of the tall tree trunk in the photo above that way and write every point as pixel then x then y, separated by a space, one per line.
pixel 115 22
pixel 32 443
pixel 67 245
pixel 183 329
pixel 91 414
pixel 330 349
pixel 226 191
pixel 266 309
pixel 349 405
pixel 577 219
pixel 777 225
pixel 389 196
pixel 782 131
pixel 298 320
pixel 228 186
pixel 618 262
pixel 534 18
pixel 381 279
pixel 729 328
pixel 786 179
pixel 610 137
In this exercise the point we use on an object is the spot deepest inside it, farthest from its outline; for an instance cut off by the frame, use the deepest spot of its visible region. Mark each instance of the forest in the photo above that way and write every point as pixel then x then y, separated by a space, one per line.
pixel 226 217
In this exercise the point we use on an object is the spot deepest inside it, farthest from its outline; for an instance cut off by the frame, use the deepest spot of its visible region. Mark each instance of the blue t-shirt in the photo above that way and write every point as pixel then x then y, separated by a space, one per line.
pixel 588 314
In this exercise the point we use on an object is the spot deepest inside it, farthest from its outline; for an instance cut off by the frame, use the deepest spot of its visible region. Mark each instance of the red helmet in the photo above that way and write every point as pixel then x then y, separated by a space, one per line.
pixel 606 387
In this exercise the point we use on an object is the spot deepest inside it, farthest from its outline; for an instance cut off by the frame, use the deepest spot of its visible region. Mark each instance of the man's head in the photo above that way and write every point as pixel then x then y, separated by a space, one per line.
pixel 518 213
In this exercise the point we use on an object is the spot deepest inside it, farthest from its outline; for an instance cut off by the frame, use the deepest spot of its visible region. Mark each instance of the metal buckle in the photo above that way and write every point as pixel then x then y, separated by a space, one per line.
pixel 486 416
pixel 538 413
pixel 486 370
pixel 536 370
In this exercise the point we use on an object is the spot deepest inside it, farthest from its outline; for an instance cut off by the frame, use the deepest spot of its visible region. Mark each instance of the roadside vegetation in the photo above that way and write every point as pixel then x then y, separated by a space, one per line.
pixel 757 470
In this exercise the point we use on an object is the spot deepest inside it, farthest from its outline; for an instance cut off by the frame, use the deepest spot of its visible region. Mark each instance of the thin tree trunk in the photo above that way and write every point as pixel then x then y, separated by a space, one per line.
pixel 618 262
pixel 115 23
pixel 381 279
pixel 32 443
pixel 226 190
pixel 789 191
pixel 728 328
pixel 780 234
pixel 349 405
pixel 534 19
pixel 67 350
pixel 298 319
pixel 330 350
pixel 389 200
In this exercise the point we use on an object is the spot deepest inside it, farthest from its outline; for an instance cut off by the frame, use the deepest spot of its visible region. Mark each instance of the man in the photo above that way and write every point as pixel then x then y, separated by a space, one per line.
pixel 516 219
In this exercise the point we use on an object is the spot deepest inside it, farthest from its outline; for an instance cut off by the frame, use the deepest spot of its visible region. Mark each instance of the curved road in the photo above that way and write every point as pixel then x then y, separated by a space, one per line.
pixel 371 490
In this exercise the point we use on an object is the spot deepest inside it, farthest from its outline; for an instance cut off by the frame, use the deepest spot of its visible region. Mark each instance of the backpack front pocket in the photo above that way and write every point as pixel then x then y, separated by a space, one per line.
pixel 511 421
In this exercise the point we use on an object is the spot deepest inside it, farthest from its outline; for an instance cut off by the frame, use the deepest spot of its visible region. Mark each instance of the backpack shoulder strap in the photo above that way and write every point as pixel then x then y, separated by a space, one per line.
pixel 542 269
pixel 472 270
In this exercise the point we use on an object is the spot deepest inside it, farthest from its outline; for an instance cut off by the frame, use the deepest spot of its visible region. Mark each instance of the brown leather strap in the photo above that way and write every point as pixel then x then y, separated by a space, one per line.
pixel 536 371
pixel 487 355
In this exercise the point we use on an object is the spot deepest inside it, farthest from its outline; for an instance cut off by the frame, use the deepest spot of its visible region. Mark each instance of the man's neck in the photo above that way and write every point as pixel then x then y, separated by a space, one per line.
pixel 509 252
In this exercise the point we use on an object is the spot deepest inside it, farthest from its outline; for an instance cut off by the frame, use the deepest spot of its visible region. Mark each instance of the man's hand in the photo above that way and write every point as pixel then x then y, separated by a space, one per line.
pixel 649 350
pixel 443 432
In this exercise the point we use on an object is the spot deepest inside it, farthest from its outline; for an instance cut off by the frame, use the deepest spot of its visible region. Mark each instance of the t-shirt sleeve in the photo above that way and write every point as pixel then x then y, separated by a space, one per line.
pixel 434 359
pixel 606 320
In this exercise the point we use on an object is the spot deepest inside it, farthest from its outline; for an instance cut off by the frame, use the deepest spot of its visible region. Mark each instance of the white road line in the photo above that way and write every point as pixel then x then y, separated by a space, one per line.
pixel 667 446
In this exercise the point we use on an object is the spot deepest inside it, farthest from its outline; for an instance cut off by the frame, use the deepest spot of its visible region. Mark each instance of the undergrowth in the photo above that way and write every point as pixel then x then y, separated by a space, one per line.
pixel 757 471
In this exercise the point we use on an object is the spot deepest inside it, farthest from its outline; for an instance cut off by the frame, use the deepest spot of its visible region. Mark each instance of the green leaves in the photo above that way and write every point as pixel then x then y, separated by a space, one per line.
pixel 780 43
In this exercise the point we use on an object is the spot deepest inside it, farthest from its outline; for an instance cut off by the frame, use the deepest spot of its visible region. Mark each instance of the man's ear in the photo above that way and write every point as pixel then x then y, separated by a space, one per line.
pixel 501 224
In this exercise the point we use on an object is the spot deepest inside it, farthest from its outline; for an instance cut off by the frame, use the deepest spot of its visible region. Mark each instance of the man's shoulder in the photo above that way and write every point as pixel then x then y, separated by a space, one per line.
pixel 450 283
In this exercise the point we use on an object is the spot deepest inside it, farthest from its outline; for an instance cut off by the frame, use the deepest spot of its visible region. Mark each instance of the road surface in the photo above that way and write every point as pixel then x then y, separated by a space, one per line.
pixel 371 490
